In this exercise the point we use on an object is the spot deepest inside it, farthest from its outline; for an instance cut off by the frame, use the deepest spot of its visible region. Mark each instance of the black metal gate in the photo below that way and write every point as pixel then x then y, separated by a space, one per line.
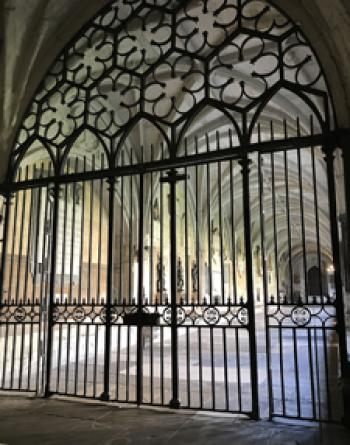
pixel 170 225
pixel 298 251
pixel 178 330
pixel 183 329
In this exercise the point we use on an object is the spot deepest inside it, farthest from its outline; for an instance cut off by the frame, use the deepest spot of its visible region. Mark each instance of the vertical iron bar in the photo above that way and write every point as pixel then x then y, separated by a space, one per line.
pixel 152 237
pixel 187 289
pixel 245 164
pixel 139 382
pixel 226 365
pixel 161 235
pixel 10 296
pixel 94 380
pixel 29 240
pixel 50 302
pixel 209 236
pixel 151 364
pixel 329 158
pixel 188 365
pixel 212 365
pixel 174 402
pixel 296 369
pixel 198 200
pixel 69 328
pixel 91 221
pixel 302 221
pixel 59 357
pixel 77 352
pixel 110 258
pixel 200 368
pixel 20 246
pixel 131 221
pixel 233 235
pixel 86 358
pixel 317 218
pixel 100 225
pixel 121 236
pixel 127 377
pixel 63 259
pixel 275 242
pixel 3 268
pixel 312 383
pixel 25 289
pixel 82 232
pixel 161 341
pixel 119 328
pixel 4 363
pixel 221 234
pixel 35 272
pixel 286 176
pixel 265 285
pixel 238 365
pixel 72 244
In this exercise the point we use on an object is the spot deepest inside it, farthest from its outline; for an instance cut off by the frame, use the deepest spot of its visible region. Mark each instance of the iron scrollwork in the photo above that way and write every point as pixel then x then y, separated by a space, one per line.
pixel 162 61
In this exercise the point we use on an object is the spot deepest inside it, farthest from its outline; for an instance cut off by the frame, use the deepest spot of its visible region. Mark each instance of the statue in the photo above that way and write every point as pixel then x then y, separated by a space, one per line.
pixel 160 276
pixel 194 275
pixel 179 276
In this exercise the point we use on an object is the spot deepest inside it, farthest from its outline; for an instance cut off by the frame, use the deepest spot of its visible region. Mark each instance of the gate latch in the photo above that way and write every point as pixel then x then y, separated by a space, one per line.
pixel 141 319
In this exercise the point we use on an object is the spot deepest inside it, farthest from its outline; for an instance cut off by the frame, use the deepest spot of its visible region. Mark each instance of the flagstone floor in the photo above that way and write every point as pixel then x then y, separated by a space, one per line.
pixel 29 421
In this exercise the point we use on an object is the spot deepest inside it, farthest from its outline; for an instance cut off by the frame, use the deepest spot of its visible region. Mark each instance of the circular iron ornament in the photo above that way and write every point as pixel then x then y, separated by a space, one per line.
pixel 242 316
pixel 301 316
pixel 180 315
pixel 19 314
pixel 103 316
pixel 167 315
pixel 79 314
pixel 211 316
pixel 114 315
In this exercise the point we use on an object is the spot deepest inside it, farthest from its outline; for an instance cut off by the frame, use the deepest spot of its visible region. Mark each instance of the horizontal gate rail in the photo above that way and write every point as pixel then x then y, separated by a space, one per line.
pixel 223 154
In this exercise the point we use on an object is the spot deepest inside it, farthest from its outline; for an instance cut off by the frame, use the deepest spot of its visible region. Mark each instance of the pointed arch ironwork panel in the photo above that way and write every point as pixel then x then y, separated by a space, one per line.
pixel 162 60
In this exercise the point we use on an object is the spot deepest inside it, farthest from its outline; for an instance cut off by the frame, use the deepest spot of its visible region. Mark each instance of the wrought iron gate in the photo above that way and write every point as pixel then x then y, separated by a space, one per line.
pixel 181 329
pixel 299 284
pixel 170 226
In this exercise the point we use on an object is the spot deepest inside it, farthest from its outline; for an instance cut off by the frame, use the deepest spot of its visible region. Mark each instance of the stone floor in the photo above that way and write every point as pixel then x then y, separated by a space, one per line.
pixel 28 421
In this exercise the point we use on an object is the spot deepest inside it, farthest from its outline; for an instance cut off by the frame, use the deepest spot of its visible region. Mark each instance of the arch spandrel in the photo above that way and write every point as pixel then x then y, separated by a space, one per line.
pixel 161 60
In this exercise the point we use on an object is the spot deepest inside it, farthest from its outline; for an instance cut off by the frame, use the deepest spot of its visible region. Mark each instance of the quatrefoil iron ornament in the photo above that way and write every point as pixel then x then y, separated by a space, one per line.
pixel 301 316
